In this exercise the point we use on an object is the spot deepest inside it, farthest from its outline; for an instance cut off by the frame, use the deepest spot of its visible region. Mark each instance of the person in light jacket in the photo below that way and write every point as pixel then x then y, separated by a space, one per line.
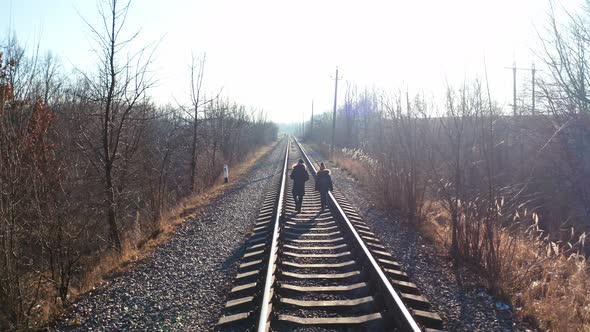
pixel 323 184
pixel 299 175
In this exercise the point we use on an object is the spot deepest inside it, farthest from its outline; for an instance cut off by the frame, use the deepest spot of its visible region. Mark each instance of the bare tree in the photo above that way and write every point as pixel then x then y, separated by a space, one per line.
pixel 118 89
pixel 565 46
pixel 197 73
pixel 50 82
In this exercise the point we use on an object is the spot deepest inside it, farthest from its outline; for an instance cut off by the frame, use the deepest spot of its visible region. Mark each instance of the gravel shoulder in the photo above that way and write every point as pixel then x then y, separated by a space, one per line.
pixel 183 284
pixel 454 293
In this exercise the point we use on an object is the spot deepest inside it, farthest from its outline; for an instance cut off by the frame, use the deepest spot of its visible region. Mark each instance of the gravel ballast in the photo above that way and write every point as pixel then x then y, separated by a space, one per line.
pixel 462 307
pixel 184 283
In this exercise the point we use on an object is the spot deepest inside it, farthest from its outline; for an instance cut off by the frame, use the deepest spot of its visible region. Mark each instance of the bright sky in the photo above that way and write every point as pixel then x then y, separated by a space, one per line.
pixel 279 55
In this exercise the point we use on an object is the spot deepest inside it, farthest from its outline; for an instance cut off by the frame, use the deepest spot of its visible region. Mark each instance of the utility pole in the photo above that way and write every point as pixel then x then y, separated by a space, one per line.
pixel 334 116
pixel 533 89
pixel 582 92
pixel 303 124
pixel 514 88
pixel 533 72
pixel 311 122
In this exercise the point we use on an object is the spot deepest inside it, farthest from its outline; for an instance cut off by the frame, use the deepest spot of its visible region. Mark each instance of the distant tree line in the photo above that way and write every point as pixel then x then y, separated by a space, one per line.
pixel 88 164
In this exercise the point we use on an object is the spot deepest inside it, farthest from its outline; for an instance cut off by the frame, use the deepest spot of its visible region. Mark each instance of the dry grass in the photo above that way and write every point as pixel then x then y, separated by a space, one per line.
pixel 436 226
pixel 549 288
pixel 112 264
pixel 355 167
pixel 546 287
pixel 561 298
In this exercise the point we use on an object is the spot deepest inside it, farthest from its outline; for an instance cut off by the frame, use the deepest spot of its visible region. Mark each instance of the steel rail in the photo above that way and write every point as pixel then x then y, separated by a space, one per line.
pixel 404 317
pixel 269 280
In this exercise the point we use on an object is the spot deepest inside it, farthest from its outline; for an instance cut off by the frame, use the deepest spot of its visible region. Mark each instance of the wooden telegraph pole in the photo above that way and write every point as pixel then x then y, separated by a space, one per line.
pixel 303 125
pixel 334 116
pixel 514 88
pixel 533 88
pixel 311 122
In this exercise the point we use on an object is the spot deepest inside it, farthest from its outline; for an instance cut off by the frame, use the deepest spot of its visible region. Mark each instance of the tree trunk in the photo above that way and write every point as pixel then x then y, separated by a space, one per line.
pixel 194 154
pixel 111 210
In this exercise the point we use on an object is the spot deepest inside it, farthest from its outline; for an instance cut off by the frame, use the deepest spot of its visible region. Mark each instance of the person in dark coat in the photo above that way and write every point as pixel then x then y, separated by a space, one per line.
pixel 323 184
pixel 299 175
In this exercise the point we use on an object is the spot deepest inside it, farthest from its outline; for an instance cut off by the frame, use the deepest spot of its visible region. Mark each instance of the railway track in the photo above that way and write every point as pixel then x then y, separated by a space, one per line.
pixel 319 270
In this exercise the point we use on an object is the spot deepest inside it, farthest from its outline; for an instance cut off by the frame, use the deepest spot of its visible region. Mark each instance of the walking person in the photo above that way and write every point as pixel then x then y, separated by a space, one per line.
pixel 299 175
pixel 323 184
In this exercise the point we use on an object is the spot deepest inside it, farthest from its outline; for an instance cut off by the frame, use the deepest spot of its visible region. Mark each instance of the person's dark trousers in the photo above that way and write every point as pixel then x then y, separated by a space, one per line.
pixel 324 199
pixel 298 201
